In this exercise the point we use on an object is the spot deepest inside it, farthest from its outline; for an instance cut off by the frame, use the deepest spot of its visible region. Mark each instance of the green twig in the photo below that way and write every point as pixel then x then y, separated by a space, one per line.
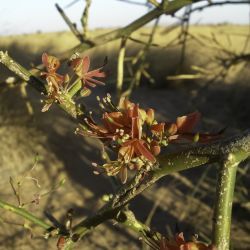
pixel 125 217
pixel 85 19
pixel 154 2
pixel 126 31
pixel 25 214
pixel 76 86
pixel 120 67
pixel 239 146
pixel 224 202
pixel 21 72
pixel 71 25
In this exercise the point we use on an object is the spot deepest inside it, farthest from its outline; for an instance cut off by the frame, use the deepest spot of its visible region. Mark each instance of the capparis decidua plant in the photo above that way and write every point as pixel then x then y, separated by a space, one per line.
pixel 133 133
pixel 135 138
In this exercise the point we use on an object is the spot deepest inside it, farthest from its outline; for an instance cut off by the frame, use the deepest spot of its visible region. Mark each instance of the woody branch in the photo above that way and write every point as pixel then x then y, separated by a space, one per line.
pixel 238 147
pixel 168 8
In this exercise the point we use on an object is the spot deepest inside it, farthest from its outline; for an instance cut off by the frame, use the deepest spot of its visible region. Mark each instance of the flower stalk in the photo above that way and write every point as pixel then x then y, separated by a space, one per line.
pixel 76 86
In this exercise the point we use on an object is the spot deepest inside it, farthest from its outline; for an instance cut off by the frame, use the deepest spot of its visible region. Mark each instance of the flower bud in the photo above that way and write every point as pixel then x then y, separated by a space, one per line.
pixel 85 92
pixel 158 128
pixel 150 116
pixel 155 148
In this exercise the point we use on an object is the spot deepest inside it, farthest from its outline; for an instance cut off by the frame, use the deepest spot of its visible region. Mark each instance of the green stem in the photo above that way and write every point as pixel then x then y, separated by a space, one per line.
pixel 120 67
pixel 76 86
pixel 21 72
pixel 154 2
pixel 224 202
pixel 128 219
pixel 169 9
pixel 85 19
pixel 71 25
pixel 125 217
pixel 239 146
pixel 25 214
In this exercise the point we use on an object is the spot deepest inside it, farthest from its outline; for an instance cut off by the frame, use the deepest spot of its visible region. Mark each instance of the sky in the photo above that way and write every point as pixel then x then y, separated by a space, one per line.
pixel 29 16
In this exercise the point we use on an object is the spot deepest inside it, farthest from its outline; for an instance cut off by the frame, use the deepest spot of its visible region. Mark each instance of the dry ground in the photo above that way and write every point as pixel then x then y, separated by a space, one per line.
pixel 184 199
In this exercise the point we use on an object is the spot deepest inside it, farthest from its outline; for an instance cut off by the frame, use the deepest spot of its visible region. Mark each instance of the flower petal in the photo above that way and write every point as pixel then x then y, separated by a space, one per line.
pixel 186 124
pixel 158 128
pixel 136 130
pixel 171 128
pixel 142 150
pixel 126 152
pixel 91 80
pixel 85 64
pixel 96 73
pixel 50 62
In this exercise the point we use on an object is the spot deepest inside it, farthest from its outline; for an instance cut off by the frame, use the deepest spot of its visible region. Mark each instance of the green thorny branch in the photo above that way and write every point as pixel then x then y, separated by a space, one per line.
pixel 234 150
pixel 82 37
pixel 167 8
pixel 26 215
pixel 223 206
pixel 237 147
pixel 71 25
pixel 85 19
pixel 139 62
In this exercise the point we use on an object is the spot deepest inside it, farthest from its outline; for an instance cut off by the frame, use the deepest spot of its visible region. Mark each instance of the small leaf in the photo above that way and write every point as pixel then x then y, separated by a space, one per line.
pixel 123 174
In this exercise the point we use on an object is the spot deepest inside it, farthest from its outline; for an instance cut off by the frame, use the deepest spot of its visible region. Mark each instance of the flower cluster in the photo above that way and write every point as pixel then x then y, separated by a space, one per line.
pixel 136 135
pixel 177 243
pixel 62 84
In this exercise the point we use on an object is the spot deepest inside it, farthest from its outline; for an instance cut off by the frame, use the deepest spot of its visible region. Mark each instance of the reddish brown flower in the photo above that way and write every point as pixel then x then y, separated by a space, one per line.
pixel 124 128
pixel 61 243
pixel 52 64
pixel 114 121
pixel 135 148
pixel 183 129
pixel 158 128
pixel 81 68
pixel 178 243
pixel 155 148
pixel 55 81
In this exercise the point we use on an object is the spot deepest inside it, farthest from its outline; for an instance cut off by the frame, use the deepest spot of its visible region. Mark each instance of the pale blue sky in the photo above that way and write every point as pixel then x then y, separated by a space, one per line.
pixel 25 16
